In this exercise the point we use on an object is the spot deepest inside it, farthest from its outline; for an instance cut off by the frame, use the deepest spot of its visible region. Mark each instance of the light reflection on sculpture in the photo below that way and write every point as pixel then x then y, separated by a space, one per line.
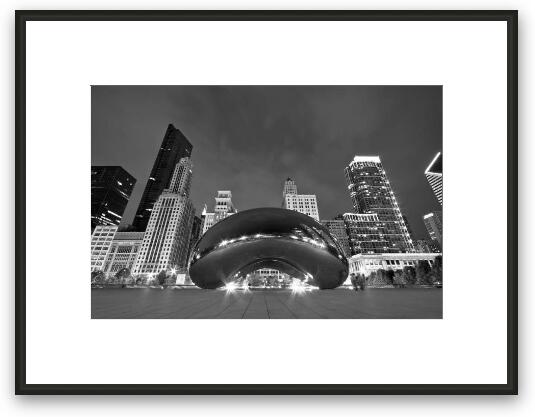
pixel 274 238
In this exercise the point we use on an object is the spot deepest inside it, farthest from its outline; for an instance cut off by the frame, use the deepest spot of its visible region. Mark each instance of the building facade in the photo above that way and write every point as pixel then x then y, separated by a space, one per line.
pixel 174 147
pixel 111 188
pixel 123 251
pixel 433 224
pixel 337 228
pixel 166 241
pixel 196 231
pixel 289 187
pixel 433 173
pixel 371 193
pixel 302 203
pixel 426 246
pixel 368 263
pixel 408 226
pixel 222 209
pixel 101 241
pixel 367 234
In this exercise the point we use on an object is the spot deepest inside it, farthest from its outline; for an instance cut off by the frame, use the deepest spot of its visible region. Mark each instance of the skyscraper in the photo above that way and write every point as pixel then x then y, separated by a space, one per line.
pixel 302 203
pixel 222 209
pixel 433 173
pixel 111 187
pixel 196 230
pixel 166 241
pixel 408 226
pixel 289 187
pixel 371 193
pixel 101 241
pixel 433 224
pixel 174 147
pixel 367 234
pixel 337 228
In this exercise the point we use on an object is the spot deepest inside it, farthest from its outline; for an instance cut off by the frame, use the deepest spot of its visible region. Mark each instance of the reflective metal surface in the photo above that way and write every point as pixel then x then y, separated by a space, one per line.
pixel 286 240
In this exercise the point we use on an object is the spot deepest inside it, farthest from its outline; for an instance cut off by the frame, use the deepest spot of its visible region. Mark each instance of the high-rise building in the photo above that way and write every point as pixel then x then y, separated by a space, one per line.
pixel 111 187
pixel 408 226
pixel 433 224
pixel 426 246
pixel 337 228
pixel 222 209
pixel 181 179
pixel 371 193
pixel 196 230
pixel 123 251
pixel 302 203
pixel 174 147
pixel 433 173
pixel 166 241
pixel 289 187
pixel 367 234
pixel 101 241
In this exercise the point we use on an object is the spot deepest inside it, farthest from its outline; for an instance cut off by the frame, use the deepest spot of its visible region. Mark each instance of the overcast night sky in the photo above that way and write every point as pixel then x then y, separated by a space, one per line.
pixel 248 139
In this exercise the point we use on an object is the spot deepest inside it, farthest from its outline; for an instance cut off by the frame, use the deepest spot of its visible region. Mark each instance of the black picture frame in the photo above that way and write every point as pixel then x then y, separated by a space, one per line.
pixel 509 16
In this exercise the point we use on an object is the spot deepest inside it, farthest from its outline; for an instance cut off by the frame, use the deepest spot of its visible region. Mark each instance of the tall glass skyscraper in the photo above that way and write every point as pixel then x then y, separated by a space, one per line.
pixel 433 224
pixel 433 173
pixel 174 147
pixel 111 187
pixel 372 193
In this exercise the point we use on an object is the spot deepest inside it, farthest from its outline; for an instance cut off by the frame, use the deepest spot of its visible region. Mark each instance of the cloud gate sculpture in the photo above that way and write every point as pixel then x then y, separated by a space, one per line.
pixel 286 240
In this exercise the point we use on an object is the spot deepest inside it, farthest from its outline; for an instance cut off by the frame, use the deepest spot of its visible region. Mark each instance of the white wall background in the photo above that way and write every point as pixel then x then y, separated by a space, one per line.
pixel 237 406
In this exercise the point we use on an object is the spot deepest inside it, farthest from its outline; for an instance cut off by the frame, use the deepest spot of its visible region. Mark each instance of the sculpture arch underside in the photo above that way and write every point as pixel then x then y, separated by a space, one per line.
pixel 273 238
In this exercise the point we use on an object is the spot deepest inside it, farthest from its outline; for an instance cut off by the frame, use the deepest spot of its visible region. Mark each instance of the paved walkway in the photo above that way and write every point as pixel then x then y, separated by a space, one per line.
pixel 147 303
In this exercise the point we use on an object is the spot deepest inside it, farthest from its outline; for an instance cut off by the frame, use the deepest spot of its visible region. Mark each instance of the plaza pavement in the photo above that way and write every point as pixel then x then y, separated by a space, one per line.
pixel 341 303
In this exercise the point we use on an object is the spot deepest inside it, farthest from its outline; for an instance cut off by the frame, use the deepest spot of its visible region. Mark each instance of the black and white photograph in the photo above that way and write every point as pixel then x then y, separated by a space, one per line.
pixel 266 202
pixel 254 202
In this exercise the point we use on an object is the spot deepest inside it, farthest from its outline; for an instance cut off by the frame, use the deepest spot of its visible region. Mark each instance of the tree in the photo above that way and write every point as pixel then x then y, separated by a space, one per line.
pixel 122 275
pixel 389 276
pixel 423 276
pixel 97 277
pixel 171 279
pixel 384 277
pixel 161 277
pixel 361 281
pixel 436 270
pixel 139 281
pixel 372 278
pixel 409 274
pixel 353 280
pixel 381 278
pixel 109 279
pixel 400 279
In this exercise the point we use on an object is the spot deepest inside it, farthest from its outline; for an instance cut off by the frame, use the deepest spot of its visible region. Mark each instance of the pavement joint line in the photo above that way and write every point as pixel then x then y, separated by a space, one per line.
pixel 247 308
pixel 267 308
pixel 287 308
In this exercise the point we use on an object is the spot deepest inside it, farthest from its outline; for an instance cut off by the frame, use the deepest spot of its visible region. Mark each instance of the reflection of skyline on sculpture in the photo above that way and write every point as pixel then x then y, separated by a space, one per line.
pixel 268 238
pixel 249 139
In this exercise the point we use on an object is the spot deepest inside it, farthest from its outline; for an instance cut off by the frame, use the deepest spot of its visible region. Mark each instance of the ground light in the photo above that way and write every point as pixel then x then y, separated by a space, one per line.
pixel 231 287
pixel 297 287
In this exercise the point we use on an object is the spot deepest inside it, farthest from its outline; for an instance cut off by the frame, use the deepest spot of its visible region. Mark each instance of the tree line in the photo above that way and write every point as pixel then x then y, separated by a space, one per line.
pixel 421 274
pixel 124 277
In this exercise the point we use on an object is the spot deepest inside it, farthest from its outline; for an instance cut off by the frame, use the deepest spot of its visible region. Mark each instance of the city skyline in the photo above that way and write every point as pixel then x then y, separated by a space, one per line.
pixel 256 180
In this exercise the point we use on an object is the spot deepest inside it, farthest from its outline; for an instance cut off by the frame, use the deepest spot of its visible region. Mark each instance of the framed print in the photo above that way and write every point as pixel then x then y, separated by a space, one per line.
pixel 281 202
